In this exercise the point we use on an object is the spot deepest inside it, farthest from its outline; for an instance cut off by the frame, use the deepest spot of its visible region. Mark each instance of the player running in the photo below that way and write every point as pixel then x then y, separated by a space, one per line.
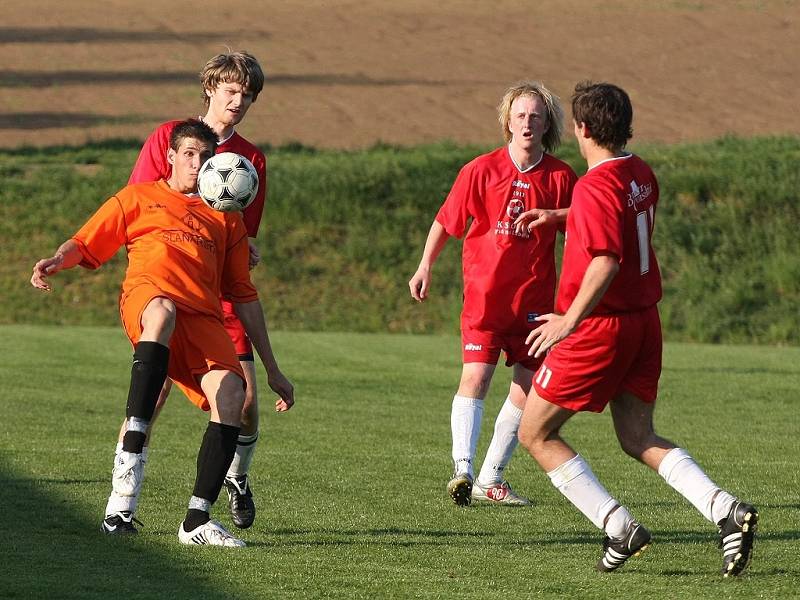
pixel 509 276
pixel 605 342
pixel 182 257
pixel 230 83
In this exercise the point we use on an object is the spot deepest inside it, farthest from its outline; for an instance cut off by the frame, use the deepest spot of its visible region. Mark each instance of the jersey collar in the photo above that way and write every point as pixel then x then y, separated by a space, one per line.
pixel 529 169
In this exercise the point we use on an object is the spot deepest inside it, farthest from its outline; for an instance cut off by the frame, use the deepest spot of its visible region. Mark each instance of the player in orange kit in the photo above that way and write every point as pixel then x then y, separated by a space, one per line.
pixel 230 84
pixel 182 257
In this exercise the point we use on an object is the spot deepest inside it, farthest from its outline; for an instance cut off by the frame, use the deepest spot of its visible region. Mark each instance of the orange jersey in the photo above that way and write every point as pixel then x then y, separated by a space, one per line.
pixel 176 243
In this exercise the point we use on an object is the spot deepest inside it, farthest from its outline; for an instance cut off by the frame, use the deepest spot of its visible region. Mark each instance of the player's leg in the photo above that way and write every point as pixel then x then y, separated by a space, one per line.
pixel 491 485
pixel 149 370
pixel 736 520
pixel 540 433
pixel 237 481
pixel 225 393
pixel 465 424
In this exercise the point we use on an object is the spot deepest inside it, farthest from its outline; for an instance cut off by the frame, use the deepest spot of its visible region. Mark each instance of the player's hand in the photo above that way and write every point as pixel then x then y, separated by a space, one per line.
pixel 44 268
pixel 553 329
pixel 255 254
pixel 419 284
pixel 535 217
pixel 284 388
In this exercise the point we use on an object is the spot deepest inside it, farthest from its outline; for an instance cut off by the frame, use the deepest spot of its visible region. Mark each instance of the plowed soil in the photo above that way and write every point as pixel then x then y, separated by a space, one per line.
pixel 347 74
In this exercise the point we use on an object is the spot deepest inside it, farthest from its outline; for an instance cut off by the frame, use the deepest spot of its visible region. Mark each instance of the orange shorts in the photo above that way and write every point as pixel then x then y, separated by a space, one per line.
pixel 198 345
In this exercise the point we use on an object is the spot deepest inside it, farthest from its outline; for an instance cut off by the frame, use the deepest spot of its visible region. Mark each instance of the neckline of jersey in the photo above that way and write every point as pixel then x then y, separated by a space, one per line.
pixel 529 169
pixel 606 160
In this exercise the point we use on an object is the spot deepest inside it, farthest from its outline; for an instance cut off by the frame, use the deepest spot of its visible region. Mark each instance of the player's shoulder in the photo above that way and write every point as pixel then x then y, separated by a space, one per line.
pixel 495 157
pixel 165 129
pixel 241 145
pixel 487 162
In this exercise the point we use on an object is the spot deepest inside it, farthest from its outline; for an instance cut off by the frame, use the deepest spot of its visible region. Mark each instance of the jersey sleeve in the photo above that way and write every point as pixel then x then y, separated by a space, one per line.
pixel 102 235
pixel 598 220
pixel 252 214
pixel 461 202
pixel 236 285
pixel 152 165
pixel 566 186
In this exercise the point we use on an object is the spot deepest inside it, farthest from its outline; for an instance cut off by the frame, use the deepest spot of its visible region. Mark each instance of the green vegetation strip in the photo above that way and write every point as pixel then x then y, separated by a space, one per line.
pixel 343 232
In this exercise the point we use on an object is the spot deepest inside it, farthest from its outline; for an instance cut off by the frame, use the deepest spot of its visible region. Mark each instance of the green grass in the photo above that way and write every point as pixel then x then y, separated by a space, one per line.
pixel 350 483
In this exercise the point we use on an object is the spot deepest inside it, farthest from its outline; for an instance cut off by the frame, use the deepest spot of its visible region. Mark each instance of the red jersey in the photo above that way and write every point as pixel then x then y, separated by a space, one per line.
pixel 509 278
pixel 190 252
pixel 613 212
pixel 152 165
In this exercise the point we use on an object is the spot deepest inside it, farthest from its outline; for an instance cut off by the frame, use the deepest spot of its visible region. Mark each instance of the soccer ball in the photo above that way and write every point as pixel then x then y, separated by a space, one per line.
pixel 227 181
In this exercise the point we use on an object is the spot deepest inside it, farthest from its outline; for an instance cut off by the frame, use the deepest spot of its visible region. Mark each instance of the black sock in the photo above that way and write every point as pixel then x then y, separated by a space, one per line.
pixel 195 518
pixel 149 370
pixel 214 459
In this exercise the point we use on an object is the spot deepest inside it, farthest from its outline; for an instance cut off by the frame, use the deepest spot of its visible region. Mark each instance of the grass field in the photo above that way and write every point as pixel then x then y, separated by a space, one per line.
pixel 350 483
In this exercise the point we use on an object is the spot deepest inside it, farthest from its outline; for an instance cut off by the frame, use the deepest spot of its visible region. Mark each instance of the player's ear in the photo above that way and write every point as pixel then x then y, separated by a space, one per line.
pixel 171 156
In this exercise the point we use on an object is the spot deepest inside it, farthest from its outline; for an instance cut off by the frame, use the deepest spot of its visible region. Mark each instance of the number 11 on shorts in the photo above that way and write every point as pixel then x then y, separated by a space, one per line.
pixel 543 377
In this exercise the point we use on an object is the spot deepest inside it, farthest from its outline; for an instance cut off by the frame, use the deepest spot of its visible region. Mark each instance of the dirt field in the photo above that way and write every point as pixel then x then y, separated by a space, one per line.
pixel 346 74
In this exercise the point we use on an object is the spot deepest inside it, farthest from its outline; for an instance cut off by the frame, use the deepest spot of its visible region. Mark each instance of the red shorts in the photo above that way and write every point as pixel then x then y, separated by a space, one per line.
pixel 235 329
pixel 485 346
pixel 198 345
pixel 605 356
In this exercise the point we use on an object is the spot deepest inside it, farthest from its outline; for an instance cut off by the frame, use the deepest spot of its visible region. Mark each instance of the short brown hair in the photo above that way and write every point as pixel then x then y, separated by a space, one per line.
pixel 555 114
pixel 606 111
pixel 194 129
pixel 232 67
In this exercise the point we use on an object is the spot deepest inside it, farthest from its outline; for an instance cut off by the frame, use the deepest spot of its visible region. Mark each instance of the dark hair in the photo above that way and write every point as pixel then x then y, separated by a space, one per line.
pixel 606 111
pixel 195 129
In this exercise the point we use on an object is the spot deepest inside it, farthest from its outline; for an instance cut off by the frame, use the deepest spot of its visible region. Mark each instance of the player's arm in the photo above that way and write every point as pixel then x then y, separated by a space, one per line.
pixel 421 280
pixel 536 217
pixel 253 213
pixel 67 256
pixel 554 328
pixel 251 315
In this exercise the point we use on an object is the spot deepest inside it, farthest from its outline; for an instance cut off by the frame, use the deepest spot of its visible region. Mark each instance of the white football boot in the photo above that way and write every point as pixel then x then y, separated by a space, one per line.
pixel 210 533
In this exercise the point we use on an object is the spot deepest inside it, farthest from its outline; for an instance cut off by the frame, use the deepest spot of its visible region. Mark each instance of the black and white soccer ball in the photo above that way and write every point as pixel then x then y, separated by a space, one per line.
pixel 227 182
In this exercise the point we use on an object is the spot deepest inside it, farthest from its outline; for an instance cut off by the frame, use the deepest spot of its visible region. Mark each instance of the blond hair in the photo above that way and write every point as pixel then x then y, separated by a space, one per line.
pixel 232 67
pixel 555 114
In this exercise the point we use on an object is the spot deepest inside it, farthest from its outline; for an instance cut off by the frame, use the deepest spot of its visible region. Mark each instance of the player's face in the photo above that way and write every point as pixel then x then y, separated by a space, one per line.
pixel 186 162
pixel 228 103
pixel 528 122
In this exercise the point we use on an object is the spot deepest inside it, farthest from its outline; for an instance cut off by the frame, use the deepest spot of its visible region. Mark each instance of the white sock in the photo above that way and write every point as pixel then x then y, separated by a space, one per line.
pixel 503 443
pixel 577 482
pixel 117 503
pixel 681 472
pixel 465 423
pixel 245 448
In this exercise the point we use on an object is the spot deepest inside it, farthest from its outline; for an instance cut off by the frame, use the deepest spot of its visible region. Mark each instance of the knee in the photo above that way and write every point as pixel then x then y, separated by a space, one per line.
pixel 232 393
pixel 158 319
pixel 474 385
pixel 531 437
pixel 635 443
